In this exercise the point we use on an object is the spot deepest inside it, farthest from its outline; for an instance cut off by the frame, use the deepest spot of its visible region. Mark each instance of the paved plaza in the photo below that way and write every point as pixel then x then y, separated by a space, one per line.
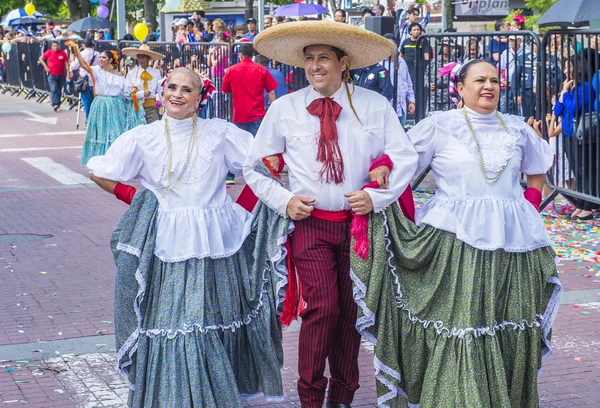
pixel 57 273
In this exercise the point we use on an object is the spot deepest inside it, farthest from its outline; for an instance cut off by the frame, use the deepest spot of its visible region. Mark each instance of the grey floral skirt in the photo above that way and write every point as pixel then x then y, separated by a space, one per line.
pixel 201 332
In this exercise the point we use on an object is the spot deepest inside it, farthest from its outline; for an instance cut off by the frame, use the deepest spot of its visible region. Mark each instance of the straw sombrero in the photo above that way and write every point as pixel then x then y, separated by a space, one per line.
pixel 143 49
pixel 286 42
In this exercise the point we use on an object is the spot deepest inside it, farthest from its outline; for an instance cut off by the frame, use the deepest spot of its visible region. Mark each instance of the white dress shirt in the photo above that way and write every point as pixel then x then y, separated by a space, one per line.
pixel 485 216
pixel 197 219
pixel 133 79
pixel 290 129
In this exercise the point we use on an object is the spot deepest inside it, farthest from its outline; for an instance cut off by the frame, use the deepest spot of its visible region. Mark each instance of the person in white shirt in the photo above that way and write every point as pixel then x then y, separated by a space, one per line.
pixel 328 133
pixel 196 283
pixel 144 80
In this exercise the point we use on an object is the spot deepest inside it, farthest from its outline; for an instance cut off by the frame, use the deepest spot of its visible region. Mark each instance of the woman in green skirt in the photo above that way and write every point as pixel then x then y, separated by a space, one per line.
pixel 460 306
pixel 111 114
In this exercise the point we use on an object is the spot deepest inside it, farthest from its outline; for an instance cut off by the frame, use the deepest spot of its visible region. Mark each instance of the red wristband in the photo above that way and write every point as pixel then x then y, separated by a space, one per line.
pixel 534 196
pixel 125 192
pixel 382 161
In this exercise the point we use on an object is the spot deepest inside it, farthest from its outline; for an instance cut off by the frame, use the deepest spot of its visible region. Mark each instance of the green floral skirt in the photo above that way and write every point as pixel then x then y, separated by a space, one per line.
pixel 453 325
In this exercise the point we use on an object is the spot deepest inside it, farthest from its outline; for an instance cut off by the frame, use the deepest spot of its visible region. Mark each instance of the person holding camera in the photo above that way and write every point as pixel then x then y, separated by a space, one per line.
pixel 81 79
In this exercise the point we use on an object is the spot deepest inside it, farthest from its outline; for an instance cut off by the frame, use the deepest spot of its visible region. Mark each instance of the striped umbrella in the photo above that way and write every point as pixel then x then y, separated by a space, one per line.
pixel 16 14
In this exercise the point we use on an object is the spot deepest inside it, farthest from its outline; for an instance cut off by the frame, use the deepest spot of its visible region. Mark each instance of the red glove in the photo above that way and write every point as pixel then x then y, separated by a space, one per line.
pixel 125 192
pixel 534 196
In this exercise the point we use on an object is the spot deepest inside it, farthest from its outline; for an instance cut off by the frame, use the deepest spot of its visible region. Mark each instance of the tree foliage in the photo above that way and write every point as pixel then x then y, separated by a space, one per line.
pixel 46 7
pixel 537 6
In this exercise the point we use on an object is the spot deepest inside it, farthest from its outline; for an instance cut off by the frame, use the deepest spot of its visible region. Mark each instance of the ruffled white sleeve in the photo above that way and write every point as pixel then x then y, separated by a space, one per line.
pixel 122 161
pixel 237 145
pixel 538 156
pixel 424 138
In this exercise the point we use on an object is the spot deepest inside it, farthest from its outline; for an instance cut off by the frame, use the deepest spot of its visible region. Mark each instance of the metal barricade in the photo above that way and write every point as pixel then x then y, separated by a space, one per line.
pixel 11 72
pixel 171 52
pixel 40 82
pixel 104 45
pixel 211 60
pixel 570 66
pixel 514 53
pixel 25 63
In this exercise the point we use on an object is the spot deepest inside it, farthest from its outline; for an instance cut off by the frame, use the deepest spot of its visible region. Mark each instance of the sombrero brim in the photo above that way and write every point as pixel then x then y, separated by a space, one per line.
pixel 286 42
pixel 134 52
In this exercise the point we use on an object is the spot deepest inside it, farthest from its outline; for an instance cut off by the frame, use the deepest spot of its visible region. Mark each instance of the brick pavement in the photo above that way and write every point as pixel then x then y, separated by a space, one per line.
pixel 61 287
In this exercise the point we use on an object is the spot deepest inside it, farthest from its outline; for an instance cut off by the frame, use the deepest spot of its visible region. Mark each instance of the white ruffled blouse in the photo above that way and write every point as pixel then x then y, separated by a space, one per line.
pixel 108 84
pixel 198 219
pixel 485 216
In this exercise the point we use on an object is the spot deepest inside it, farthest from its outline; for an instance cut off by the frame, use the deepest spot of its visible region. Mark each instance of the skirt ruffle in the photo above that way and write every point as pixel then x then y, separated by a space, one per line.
pixel 453 325
pixel 201 332
pixel 109 118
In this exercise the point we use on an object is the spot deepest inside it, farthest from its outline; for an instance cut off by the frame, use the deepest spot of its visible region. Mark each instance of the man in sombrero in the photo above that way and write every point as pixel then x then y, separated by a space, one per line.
pixel 329 135
pixel 144 80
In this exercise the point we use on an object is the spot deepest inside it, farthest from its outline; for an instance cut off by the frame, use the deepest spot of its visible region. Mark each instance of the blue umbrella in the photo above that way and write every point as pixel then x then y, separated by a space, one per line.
pixel 16 14
pixel 299 9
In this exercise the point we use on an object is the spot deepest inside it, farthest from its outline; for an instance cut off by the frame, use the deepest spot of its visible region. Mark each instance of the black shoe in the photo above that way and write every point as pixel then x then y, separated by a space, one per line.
pixel 588 217
pixel 337 405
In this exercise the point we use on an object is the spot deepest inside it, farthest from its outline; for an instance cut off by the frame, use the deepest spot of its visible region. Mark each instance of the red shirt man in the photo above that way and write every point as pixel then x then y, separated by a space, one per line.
pixel 247 82
pixel 55 60
pixel 56 64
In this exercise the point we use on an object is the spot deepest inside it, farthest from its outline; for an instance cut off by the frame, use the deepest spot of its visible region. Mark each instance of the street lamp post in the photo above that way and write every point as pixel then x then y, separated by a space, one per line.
pixel 121 20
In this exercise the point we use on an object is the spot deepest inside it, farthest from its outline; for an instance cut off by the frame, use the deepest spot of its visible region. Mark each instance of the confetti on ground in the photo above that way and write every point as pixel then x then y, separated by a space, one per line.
pixel 577 358
pixel 106 321
pixel 586 312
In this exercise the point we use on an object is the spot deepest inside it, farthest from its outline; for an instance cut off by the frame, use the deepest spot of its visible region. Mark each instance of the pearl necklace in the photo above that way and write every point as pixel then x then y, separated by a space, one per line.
pixel 191 148
pixel 488 180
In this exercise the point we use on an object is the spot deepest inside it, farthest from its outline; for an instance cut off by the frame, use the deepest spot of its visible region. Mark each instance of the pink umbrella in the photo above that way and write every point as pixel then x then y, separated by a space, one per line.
pixel 299 9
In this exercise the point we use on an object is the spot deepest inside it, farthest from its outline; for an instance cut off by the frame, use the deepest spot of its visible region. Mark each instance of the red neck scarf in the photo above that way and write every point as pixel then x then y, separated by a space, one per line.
pixel 328 151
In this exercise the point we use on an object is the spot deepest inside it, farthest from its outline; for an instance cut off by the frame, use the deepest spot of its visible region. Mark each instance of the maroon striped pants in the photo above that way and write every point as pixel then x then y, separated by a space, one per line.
pixel 321 252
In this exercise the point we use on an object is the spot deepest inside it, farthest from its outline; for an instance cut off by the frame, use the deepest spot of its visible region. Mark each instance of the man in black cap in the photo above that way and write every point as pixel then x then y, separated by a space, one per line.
pixel 252 31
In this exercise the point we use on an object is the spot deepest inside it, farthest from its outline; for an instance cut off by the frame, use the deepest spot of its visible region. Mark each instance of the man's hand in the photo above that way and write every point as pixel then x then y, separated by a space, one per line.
pixel 273 161
pixel 299 207
pixel 146 93
pixel 360 202
pixel 380 174
pixel 411 108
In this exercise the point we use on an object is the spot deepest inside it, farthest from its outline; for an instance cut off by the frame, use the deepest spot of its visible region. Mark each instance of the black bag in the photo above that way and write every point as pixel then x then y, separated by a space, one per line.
pixel 583 132
pixel 81 82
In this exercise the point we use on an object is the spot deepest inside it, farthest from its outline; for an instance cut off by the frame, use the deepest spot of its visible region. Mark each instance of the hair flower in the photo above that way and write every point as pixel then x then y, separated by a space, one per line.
pixel 519 19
